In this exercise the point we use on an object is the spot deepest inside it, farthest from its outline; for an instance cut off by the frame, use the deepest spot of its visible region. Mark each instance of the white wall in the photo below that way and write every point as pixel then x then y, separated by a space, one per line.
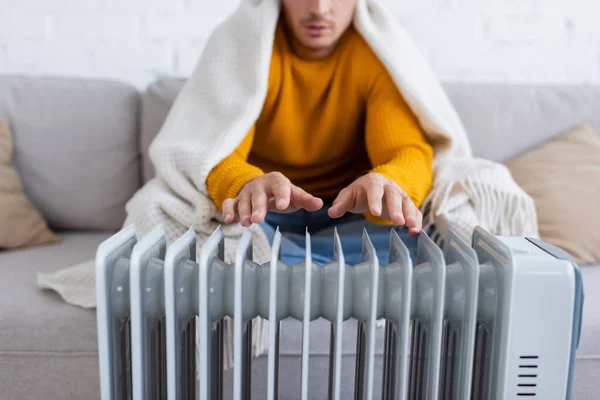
pixel 137 40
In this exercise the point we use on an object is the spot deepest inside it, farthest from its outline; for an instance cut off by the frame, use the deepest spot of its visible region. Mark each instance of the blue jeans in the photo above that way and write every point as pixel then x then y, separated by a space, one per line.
pixel 321 227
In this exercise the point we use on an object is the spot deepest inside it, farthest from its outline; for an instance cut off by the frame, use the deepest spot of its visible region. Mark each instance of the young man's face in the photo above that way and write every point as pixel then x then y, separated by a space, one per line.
pixel 317 25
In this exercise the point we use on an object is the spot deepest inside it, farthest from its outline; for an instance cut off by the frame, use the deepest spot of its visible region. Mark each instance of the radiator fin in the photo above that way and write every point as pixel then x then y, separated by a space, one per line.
pixel 306 318
pixel 339 302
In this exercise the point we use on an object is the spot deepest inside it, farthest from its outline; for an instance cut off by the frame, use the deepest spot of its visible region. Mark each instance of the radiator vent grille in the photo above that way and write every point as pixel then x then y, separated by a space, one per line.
pixel 528 366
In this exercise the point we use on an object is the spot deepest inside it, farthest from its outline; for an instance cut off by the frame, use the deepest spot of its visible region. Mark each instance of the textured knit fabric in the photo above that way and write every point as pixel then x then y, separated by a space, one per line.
pixel 326 122
pixel 224 96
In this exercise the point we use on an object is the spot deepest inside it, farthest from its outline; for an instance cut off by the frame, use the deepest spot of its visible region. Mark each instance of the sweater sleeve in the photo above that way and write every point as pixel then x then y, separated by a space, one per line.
pixel 395 142
pixel 232 173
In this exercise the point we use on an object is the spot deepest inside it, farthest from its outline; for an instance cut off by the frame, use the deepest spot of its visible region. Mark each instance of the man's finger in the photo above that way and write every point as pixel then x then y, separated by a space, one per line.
pixel 229 210
pixel 375 198
pixel 341 204
pixel 259 206
pixel 419 216
pixel 393 203
pixel 410 214
pixel 245 210
pixel 302 199
pixel 282 190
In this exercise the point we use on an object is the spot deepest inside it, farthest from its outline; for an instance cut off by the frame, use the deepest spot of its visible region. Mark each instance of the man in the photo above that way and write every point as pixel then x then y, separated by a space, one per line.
pixel 335 141
pixel 290 121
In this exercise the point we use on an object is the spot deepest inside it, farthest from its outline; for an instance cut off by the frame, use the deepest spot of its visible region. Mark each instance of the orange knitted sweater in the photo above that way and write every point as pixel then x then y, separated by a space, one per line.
pixel 325 123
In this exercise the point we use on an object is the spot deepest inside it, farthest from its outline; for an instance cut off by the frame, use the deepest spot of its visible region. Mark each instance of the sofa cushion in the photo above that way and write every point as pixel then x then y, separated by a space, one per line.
pixel 76 147
pixel 22 225
pixel 39 320
pixel 589 345
pixel 558 176
pixel 49 376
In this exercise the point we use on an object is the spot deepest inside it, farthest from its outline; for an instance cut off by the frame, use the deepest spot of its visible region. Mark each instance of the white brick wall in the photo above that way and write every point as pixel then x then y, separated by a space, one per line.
pixel 138 40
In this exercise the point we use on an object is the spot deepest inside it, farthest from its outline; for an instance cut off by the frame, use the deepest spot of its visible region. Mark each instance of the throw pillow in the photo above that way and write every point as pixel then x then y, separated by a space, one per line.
pixel 563 177
pixel 21 224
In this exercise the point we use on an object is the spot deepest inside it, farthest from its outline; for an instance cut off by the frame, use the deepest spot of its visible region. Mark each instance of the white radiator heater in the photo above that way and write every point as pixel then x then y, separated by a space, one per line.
pixel 495 319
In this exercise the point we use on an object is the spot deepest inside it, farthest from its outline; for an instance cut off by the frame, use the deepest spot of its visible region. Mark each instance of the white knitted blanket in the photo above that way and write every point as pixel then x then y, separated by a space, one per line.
pixel 224 97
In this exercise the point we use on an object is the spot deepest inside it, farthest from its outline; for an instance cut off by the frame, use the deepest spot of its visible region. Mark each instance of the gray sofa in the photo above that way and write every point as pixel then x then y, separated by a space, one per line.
pixel 80 149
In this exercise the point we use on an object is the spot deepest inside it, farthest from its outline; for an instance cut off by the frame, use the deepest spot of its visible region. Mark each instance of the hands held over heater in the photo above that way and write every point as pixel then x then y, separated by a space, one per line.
pixel 372 193
pixel 270 192
pixel 380 196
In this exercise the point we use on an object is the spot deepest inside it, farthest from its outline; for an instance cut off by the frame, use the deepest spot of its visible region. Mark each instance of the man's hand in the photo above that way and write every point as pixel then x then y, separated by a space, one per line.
pixel 270 192
pixel 382 198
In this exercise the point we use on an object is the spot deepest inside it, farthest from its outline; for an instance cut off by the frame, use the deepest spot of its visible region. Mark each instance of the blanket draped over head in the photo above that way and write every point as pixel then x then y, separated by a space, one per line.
pixel 223 98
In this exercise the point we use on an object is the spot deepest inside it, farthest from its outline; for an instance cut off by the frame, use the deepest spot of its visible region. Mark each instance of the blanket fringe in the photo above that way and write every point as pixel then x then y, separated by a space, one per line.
pixel 474 200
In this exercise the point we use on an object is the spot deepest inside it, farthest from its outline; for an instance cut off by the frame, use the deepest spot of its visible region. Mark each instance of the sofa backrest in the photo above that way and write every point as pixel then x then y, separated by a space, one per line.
pixel 502 120
pixel 157 100
pixel 76 147
pixel 505 120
